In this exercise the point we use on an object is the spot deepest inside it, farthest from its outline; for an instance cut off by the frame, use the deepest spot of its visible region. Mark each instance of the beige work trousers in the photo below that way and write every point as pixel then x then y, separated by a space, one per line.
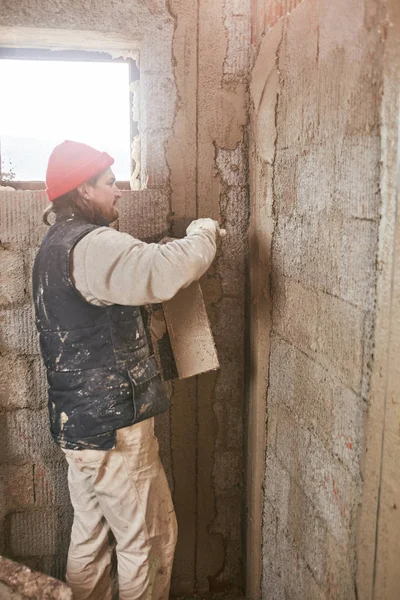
pixel 121 499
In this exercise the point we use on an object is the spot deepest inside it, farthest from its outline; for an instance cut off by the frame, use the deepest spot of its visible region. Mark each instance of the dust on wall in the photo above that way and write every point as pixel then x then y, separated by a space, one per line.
pixel 315 158
pixel 193 64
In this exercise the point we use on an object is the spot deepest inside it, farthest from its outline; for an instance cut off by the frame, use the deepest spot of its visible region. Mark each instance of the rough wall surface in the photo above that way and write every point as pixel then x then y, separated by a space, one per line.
pixel 315 90
pixel 194 58
pixel 18 582
pixel 35 513
pixel 207 157
pixel 378 575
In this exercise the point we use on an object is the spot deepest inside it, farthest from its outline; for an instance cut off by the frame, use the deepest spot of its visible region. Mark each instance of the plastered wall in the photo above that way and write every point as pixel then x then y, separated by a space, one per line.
pixel 194 59
pixel 316 92
pixel 378 538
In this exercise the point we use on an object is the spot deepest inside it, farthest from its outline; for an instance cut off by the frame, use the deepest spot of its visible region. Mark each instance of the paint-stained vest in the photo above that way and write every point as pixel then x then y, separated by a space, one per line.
pixel 99 372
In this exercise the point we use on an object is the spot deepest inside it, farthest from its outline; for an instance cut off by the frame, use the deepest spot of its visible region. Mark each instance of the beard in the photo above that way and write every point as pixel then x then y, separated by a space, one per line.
pixel 104 218
pixel 96 214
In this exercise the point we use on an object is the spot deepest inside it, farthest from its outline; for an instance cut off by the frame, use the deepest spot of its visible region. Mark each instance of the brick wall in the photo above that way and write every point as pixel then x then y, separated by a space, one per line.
pixel 316 153
pixel 34 507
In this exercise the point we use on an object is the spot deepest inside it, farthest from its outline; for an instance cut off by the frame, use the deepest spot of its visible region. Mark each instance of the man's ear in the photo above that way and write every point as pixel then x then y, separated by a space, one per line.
pixel 83 191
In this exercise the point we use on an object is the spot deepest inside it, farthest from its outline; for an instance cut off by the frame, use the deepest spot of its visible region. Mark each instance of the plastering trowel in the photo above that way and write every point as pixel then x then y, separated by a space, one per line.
pixel 182 333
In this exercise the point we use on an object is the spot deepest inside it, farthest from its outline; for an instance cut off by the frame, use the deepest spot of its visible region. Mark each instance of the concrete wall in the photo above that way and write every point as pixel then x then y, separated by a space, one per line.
pixel 194 61
pixel 378 575
pixel 35 513
pixel 315 177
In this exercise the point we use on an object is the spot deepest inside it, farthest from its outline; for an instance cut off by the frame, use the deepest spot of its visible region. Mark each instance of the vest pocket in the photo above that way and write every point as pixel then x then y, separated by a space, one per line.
pixel 149 395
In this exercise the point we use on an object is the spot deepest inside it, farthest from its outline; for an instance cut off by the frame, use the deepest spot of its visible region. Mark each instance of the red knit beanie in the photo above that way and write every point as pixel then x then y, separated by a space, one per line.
pixel 71 164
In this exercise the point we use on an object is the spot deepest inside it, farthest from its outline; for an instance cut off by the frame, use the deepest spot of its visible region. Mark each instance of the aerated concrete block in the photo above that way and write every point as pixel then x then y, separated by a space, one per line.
pixel 25 436
pixel 338 259
pixel 272 585
pixel 331 489
pixel 16 487
pixel 51 484
pixel 285 572
pixel 270 528
pixel 272 425
pixel 18 333
pixel 324 480
pixel 21 218
pixel 55 565
pixel 277 488
pixel 156 60
pixel 190 332
pixel 292 442
pixel 34 533
pixel 39 396
pixel 298 579
pixel 144 214
pixel 341 335
pixel 324 327
pixel 159 113
pixel 307 531
pixel 16 382
pixel 12 277
pixel 29 259
pixel 340 567
pixel 154 168
pixel 358 172
pixel 321 403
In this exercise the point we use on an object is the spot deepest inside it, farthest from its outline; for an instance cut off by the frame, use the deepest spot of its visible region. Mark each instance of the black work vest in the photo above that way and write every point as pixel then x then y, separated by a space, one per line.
pixel 99 372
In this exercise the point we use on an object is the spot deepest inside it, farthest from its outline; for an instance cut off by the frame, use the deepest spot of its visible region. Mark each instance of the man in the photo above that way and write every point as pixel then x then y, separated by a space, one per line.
pixel 89 281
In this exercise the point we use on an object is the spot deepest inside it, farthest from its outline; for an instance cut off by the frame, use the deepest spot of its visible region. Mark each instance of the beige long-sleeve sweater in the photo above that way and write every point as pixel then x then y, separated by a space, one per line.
pixel 110 267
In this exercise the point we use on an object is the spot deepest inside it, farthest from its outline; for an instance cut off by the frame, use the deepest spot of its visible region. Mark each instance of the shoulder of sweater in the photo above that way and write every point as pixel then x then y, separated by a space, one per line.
pixel 105 233
pixel 102 236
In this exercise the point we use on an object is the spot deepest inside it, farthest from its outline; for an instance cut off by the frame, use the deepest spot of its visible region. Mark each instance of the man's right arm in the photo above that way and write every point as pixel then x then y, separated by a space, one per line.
pixel 109 267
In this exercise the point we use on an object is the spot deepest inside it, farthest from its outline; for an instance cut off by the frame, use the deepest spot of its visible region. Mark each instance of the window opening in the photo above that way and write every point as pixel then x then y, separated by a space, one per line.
pixel 48 96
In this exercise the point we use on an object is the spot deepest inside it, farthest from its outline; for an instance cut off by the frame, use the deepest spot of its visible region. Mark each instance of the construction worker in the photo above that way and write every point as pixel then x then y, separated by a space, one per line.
pixel 89 281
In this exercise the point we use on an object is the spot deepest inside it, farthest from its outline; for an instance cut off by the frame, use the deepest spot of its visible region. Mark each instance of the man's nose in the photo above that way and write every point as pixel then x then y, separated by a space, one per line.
pixel 117 192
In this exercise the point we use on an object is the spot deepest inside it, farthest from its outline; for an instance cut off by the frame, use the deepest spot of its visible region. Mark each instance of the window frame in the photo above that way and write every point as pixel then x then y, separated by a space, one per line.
pixel 78 55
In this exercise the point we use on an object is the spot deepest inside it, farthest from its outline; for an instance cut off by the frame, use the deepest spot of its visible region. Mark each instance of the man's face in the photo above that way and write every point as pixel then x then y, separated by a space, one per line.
pixel 103 196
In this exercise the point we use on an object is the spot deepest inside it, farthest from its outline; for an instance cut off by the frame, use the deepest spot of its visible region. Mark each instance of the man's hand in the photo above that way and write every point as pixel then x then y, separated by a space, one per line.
pixel 199 224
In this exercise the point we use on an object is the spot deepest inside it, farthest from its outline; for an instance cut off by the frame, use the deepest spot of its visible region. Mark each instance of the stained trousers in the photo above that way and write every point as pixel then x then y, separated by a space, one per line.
pixel 123 492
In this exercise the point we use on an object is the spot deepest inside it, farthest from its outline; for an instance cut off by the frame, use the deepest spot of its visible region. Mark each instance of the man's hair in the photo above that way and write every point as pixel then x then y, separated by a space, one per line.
pixel 72 202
